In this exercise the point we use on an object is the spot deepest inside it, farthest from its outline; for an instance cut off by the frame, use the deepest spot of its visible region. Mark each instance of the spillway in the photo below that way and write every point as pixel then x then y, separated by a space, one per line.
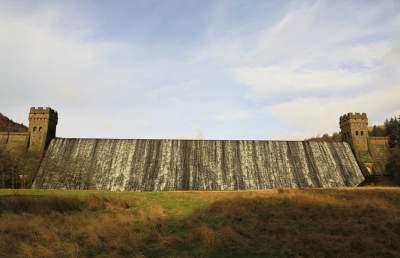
pixel 171 165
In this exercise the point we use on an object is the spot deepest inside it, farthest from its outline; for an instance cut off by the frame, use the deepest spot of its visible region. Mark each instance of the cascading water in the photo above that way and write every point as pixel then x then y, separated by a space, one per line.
pixel 169 165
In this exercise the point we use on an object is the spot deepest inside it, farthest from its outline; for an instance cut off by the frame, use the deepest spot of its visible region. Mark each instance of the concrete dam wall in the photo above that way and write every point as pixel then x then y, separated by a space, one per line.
pixel 169 165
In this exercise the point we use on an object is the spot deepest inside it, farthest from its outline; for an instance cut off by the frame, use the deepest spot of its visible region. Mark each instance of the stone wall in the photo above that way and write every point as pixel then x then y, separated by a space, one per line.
pixel 380 152
pixel 14 141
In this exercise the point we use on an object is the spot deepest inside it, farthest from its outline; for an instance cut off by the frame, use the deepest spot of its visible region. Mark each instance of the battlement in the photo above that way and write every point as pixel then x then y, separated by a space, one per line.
pixel 43 111
pixel 351 116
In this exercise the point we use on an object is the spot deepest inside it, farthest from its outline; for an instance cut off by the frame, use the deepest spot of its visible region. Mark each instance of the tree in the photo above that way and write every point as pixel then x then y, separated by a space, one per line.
pixel 28 166
pixel 8 170
pixel 393 166
pixel 378 131
pixel 392 127
pixel 17 171
pixel 335 137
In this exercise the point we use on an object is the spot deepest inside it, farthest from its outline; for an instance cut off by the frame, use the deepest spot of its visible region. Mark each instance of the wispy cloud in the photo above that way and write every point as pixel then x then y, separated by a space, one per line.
pixel 217 70
pixel 233 116
pixel 321 59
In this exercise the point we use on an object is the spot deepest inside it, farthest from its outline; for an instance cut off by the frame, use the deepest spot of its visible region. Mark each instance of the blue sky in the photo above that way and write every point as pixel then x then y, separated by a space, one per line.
pixel 200 69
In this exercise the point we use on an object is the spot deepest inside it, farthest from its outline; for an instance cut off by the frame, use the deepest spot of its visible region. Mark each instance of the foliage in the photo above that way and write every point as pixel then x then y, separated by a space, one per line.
pixel 335 137
pixel 392 127
pixel 9 177
pixel 271 223
pixel 17 171
pixel 393 165
pixel 378 131
pixel 8 125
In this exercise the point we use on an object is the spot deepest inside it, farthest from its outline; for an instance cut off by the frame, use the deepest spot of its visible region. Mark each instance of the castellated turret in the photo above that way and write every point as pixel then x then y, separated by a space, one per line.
pixel 42 128
pixel 354 128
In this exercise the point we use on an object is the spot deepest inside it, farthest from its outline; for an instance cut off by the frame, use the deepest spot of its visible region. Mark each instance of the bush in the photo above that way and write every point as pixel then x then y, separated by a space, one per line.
pixel 40 204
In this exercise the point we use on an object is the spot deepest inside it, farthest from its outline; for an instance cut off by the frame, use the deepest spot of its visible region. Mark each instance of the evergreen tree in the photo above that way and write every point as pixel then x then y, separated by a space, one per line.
pixel 392 127
pixel 378 131
pixel 393 166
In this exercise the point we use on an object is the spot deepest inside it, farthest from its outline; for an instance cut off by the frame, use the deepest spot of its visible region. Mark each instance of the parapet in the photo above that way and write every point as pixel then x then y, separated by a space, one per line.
pixel 41 110
pixel 350 116
pixel 40 113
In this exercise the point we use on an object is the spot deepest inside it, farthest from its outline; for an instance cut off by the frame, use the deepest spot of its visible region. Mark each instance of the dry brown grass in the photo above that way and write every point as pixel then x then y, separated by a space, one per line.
pixel 279 223
pixel 203 234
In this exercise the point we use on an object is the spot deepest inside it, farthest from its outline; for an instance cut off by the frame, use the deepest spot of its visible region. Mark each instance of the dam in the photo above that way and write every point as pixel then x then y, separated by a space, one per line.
pixel 173 165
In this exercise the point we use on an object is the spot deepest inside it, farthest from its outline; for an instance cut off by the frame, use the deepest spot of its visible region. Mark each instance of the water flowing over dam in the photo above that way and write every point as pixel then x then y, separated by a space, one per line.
pixel 169 165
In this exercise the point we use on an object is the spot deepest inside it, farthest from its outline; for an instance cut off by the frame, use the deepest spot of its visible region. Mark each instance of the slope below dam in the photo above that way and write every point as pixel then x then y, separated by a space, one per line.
pixel 170 165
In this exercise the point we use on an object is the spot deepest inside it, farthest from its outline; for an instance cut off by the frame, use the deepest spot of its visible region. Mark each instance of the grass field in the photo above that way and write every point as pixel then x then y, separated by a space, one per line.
pixel 353 222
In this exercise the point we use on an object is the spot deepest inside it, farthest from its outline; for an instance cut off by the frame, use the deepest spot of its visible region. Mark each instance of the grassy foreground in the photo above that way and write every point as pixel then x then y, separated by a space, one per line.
pixel 356 222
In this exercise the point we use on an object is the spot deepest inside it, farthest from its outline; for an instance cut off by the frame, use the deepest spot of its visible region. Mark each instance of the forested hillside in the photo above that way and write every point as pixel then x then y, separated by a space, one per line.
pixel 8 125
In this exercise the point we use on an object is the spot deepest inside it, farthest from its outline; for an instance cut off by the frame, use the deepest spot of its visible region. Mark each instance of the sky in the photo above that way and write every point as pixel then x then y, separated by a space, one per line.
pixel 279 70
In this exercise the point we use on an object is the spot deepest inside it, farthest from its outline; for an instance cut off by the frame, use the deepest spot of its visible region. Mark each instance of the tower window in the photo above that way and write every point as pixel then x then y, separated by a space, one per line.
pixel 34 129
pixel 356 132
pixel 40 129
pixel 362 133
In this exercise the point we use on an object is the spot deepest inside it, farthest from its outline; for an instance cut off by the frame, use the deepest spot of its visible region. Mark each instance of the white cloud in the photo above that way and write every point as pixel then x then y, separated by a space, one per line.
pixel 233 116
pixel 280 80
pixel 311 116
pixel 110 88
pixel 319 60
pixel 41 61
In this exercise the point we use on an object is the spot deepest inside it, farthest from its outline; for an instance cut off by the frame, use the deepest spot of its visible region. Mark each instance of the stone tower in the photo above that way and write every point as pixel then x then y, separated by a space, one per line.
pixel 354 128
pixel 42 128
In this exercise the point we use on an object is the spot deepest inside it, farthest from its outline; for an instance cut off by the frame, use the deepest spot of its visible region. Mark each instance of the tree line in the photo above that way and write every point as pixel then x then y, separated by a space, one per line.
pixel 392 127
pixel 335 137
